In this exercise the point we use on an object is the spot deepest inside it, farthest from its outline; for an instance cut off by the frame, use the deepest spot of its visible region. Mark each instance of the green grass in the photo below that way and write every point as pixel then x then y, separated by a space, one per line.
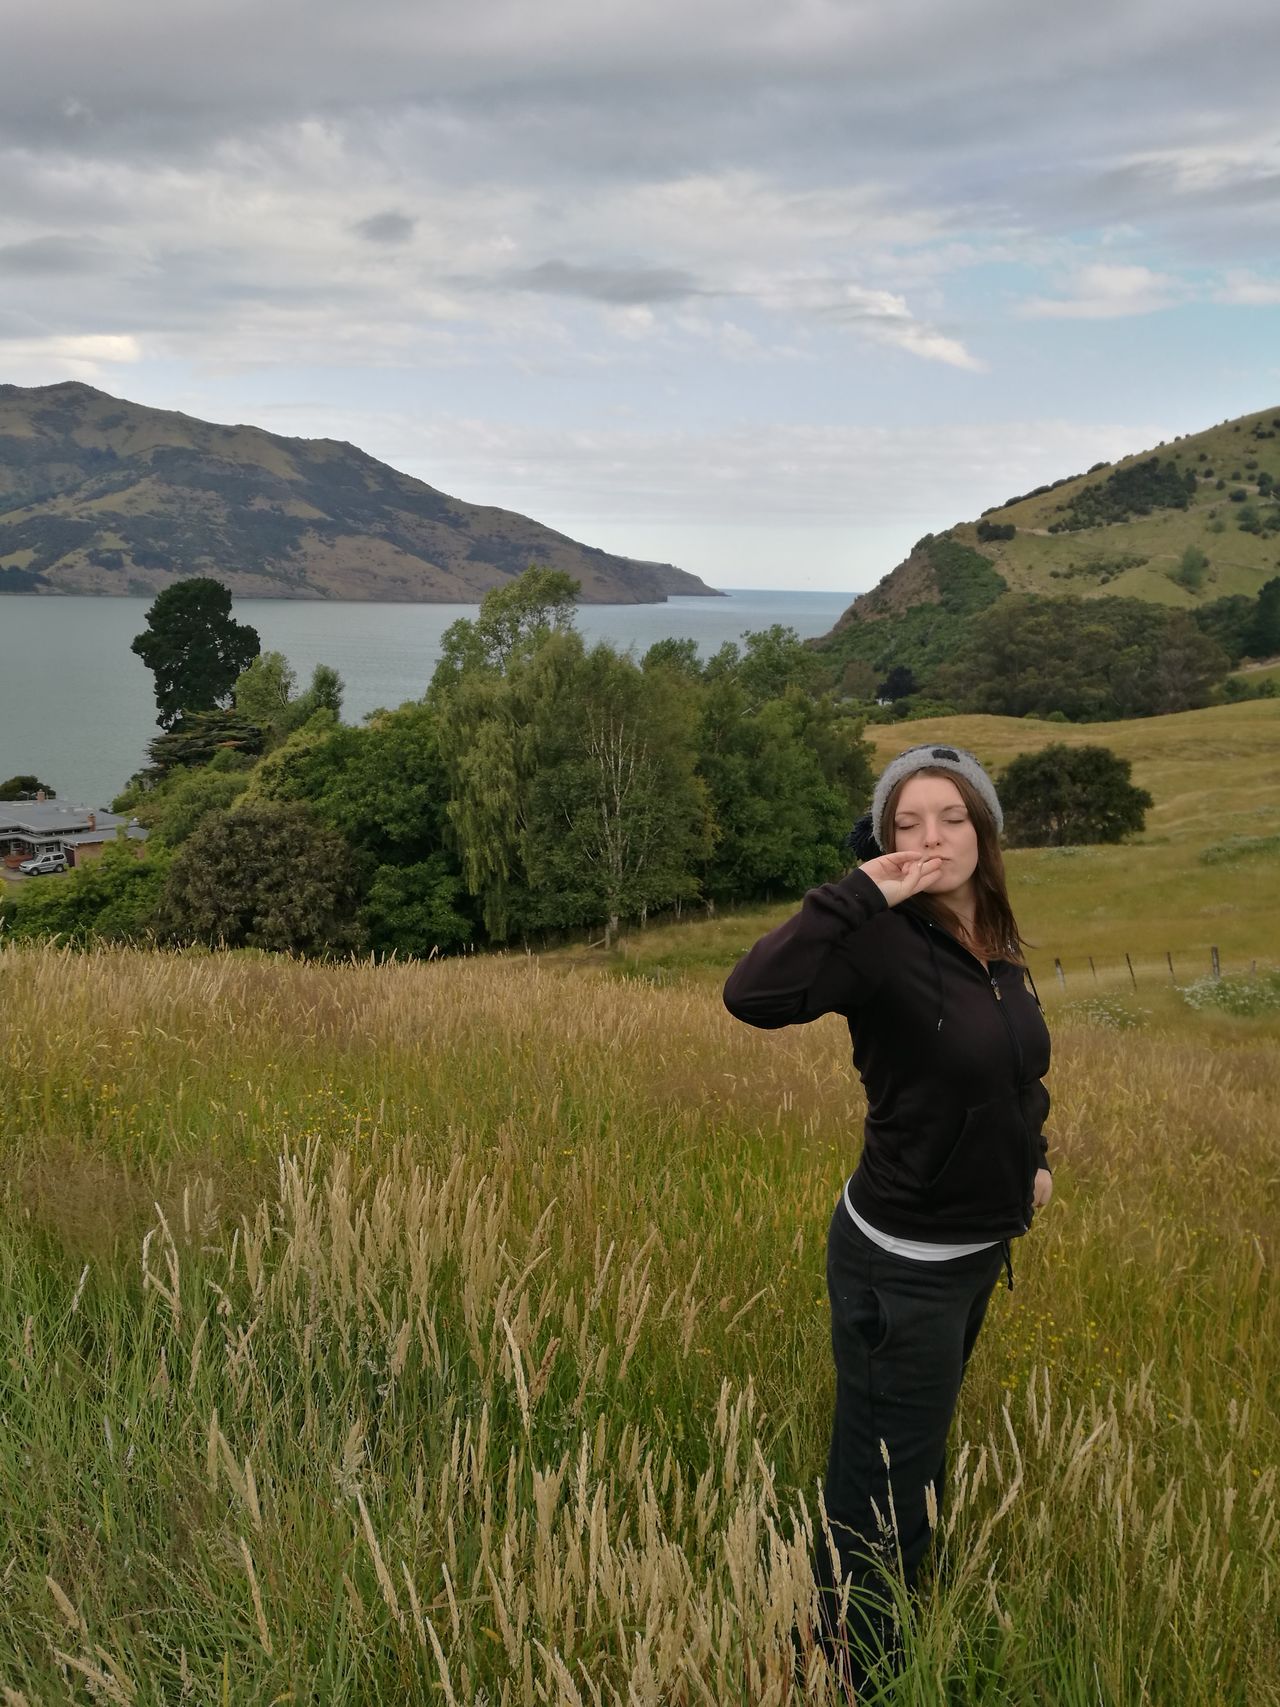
pixel 367 1324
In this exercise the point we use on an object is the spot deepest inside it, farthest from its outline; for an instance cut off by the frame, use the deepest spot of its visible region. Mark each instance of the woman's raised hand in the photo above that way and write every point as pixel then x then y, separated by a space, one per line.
pixel 898 875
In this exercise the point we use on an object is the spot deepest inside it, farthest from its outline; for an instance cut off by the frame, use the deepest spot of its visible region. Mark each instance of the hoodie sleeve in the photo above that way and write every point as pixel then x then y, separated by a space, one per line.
pixel 812 964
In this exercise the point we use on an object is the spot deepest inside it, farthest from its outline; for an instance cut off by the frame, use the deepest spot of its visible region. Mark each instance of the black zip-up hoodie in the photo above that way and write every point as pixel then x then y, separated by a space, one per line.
pixel 951 1057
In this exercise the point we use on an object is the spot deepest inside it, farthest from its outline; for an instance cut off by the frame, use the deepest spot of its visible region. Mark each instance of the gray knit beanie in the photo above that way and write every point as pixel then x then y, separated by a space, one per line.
pixel 867 836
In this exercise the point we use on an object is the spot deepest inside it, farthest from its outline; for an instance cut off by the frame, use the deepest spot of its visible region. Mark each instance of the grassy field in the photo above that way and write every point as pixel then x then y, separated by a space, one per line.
pixel 458 1332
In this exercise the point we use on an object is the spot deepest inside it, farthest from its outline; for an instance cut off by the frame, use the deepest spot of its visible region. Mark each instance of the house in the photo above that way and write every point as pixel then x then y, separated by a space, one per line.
pixel 30 827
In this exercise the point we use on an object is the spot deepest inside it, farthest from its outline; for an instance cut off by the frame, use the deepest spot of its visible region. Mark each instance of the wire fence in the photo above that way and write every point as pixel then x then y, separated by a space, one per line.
pixel 1150 970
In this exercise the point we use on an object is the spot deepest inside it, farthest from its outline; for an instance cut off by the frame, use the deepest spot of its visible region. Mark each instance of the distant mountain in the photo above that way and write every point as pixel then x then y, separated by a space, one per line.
pixel 98 495
pixel 1122 528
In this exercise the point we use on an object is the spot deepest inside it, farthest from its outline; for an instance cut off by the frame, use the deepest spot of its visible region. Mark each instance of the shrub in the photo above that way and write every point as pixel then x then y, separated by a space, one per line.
pixel 1136 490
pixel 1064 796
pixel 1191 568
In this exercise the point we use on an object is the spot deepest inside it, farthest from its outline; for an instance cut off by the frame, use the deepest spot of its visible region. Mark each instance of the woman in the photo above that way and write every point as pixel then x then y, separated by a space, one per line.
pixel 919 950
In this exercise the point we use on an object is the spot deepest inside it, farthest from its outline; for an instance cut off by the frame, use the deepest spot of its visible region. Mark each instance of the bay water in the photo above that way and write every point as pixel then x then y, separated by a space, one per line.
pixel 77 707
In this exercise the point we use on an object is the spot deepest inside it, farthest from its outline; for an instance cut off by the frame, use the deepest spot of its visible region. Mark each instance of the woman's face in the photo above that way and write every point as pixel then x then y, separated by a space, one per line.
pixel 932 818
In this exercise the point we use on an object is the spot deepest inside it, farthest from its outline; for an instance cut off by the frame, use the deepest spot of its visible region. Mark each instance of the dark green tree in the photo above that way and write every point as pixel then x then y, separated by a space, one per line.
pixel 194 648
pixel 417 910
pixel 1067 796
pixel 783 783
pixel 199 737
pixel 1227 621
pixel 25 787
pixel 1262 636
pixel 263 875
pixel 898 684
pixel 1092 659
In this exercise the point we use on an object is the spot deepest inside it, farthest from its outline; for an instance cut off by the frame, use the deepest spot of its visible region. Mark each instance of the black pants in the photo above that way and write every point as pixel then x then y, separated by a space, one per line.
pixel 901 1332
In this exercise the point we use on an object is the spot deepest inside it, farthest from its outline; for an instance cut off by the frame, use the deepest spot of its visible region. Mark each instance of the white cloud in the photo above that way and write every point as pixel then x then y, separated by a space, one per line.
pixel 1107 292
pixel 87 357
pixel 765 472
pixel 1247 290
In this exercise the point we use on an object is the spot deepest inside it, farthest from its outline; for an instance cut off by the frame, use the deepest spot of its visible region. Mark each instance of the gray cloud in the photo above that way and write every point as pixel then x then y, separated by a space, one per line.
pixel 16 325
pixel 389 227
pixel 38 257
pixel 618 285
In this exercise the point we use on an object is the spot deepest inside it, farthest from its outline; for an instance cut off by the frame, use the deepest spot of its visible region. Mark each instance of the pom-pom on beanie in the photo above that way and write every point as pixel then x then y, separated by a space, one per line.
pixel 867 838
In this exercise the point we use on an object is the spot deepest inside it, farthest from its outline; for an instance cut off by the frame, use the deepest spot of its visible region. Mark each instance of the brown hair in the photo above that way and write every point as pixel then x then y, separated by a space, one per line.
pixel 995 930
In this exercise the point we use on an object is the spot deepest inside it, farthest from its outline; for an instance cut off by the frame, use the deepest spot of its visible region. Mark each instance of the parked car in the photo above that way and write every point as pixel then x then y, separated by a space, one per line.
pixel 43 864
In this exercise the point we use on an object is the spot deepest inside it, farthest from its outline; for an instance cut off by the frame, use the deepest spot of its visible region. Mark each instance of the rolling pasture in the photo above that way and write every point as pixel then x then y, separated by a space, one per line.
pixel 457 1331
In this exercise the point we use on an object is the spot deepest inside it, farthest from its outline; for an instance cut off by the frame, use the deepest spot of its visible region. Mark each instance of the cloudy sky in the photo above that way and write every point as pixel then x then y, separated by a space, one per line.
pixel 766 288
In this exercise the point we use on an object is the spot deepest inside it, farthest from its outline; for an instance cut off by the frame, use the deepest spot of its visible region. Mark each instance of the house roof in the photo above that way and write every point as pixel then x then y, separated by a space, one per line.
pixel 134 832
pixel 44 818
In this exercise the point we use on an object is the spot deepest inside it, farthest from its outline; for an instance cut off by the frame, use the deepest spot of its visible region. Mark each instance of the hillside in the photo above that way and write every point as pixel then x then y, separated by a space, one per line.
pixel 1122 529
pixel 1202 872
pixel 102 496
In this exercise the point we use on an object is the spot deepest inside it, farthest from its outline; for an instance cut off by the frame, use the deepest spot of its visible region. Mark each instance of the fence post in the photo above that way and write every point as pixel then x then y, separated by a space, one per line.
pixel 1062 977
pixel 1093 969
pixel 1217 970
pixel 1132 974
pixel 1169 958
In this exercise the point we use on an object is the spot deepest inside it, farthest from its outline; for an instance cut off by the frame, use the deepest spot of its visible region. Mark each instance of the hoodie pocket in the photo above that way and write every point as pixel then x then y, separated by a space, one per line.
pixel 987 1172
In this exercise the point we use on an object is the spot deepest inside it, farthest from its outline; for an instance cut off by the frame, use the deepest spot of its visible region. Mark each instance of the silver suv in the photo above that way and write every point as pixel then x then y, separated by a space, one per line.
pixel 43 864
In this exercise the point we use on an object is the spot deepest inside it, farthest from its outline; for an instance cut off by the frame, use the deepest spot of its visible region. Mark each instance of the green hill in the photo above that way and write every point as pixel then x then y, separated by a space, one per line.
pixel 1121 529
pixel 102 496
pixel 1201 874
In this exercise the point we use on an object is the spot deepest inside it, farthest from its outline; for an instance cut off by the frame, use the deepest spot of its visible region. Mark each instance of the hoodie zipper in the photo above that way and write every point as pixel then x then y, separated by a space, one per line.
pixel 1013 1038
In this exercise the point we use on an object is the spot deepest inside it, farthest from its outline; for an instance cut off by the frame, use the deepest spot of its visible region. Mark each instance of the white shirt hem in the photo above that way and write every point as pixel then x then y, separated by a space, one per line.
pixel 920 1250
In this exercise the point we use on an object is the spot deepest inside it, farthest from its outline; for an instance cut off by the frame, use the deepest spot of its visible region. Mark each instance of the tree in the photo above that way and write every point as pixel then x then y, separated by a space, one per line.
pixel 858 679
pixel 512 620
pixel 1092 659
pixel 1262 635
pixel 773 660
pixel 417 909
pixel 194 648
pixel 264 688
pixel 265 693
pixel 263 875
pixel 1066 796
pixel 1191 568
pixel 495 675
pixel 783 783
pixel 617 816
pixel 898 684
pixel 173 811
pixel 1227 621
pixel 679 655
pixel 25 787
pixel 198 737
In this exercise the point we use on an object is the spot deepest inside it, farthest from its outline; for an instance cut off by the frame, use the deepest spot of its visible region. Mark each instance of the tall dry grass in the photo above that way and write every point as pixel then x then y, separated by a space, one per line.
pixel 458 1332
